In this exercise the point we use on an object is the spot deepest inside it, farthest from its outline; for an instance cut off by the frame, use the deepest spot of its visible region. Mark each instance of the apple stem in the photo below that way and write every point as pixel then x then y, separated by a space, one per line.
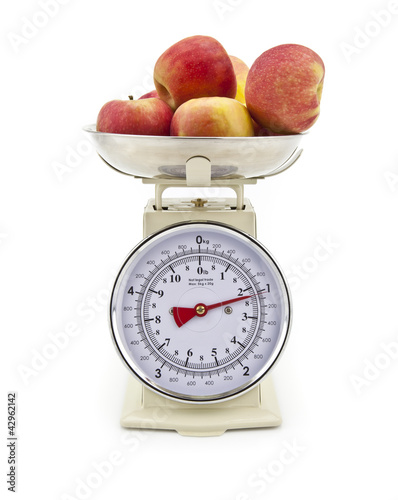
pixel 131 98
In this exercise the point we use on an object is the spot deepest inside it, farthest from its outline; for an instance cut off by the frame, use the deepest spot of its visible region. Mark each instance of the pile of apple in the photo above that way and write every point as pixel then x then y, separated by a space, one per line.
pixel 203 91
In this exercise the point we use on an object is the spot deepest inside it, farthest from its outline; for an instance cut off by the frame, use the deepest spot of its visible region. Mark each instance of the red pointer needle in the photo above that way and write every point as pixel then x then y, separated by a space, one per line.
pixel 183 314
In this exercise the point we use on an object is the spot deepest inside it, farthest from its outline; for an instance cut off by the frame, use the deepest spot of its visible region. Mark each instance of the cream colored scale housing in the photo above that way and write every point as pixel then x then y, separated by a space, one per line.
pixel 143 408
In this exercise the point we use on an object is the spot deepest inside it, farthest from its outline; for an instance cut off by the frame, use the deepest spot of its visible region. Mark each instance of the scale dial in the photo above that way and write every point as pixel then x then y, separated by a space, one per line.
pixel 200 312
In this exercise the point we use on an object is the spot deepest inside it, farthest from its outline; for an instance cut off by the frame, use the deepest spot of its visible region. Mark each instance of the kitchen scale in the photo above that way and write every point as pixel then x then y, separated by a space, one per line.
pixel 200 311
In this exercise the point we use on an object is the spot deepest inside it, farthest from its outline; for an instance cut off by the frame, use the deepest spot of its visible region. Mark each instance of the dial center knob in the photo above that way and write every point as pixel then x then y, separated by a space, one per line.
pixel 200 309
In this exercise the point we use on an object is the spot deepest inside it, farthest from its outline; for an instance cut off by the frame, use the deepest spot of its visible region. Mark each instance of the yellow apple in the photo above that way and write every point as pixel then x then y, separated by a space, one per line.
pixel 241 70
pixel 212 117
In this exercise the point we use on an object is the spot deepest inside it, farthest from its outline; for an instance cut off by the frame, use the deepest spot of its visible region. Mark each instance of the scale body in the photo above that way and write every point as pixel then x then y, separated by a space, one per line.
pixel 139 300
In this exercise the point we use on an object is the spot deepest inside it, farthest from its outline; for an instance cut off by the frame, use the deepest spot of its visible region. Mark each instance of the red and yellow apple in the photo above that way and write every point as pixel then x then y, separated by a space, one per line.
pixel 284 88
pixel 241 70
pixel 142 117
pixel 212 117
pixel 152 93
pixel 197 66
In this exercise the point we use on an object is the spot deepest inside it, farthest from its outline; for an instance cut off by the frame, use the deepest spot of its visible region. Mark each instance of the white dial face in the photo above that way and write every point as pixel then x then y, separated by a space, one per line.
pixel 200 312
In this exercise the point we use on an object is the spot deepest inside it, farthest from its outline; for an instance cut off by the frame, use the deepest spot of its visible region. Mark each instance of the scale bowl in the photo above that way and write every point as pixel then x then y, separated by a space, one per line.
pixel 166 157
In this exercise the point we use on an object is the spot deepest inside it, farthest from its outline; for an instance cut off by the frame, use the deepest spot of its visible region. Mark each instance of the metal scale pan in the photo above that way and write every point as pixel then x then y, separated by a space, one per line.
pixel 165 157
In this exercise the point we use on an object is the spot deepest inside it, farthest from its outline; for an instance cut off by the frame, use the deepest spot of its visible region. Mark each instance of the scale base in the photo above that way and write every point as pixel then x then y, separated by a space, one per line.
pixel 144 409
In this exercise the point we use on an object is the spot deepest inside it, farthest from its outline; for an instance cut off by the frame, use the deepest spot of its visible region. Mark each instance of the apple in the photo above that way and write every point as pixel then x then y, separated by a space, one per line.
pixel 212 117
pixel 197 66
pixel 284 88
pixel 142 117
pixel 152 93
pixel 241 70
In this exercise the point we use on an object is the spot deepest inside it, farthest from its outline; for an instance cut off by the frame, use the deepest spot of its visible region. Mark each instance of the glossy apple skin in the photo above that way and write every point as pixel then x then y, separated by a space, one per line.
pixel 284 88
pixel 142 117
pixel 197 66
pixel 241 71
pixel 150 94
pixel 212 117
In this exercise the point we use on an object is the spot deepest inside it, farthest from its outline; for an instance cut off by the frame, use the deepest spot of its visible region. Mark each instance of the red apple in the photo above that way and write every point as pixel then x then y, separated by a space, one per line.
pixel 284 88
pixel 197 66
pixel 212 117
pixel 241 70
pixel 142 117
pixel 150 94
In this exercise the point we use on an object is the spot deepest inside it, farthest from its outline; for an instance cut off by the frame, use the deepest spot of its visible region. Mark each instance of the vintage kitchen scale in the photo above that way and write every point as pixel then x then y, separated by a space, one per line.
pixel 200 311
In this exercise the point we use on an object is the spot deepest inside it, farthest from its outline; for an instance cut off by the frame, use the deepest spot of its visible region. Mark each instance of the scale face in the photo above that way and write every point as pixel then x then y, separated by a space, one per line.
pixel 200 312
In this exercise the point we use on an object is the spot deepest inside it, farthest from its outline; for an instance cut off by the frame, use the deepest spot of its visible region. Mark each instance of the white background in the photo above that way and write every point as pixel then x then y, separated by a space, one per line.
pixel 63 237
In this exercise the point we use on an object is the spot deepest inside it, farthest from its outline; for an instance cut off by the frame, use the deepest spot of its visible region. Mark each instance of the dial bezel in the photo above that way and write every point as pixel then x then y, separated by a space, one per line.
pixel 138 373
